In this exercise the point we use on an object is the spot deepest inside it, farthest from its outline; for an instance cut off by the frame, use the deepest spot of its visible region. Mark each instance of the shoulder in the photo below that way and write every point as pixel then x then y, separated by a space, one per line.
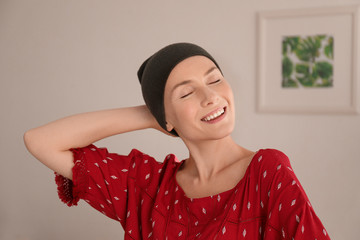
pixel 170 161
pixel 272 157
pixel 268 164
pixel 146 169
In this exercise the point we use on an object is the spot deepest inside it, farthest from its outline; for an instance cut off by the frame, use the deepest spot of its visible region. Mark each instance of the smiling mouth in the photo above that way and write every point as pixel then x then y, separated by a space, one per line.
pixel 214 116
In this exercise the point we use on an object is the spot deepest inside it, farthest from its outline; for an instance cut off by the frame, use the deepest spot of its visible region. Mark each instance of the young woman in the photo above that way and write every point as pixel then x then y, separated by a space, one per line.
pixel 221 191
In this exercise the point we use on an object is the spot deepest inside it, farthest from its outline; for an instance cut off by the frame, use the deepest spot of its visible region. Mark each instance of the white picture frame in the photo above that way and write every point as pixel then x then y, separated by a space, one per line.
pixel 340 22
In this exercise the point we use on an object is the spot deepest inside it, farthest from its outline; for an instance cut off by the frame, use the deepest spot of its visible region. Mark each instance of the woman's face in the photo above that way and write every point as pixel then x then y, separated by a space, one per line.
pixel 198 101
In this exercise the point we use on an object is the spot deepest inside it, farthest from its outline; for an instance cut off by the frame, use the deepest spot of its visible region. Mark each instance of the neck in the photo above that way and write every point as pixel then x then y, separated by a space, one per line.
pixel 208 158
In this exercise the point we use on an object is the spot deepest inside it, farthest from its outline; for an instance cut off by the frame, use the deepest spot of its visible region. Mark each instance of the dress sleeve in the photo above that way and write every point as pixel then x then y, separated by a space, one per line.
pixel 290 214
pixel 102 180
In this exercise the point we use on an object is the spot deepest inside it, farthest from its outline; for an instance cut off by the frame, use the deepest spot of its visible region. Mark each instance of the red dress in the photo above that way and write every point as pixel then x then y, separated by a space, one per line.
pixel 143 195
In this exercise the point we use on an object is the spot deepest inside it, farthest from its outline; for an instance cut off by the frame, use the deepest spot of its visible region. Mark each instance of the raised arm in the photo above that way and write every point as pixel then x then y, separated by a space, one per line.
pixel 51 143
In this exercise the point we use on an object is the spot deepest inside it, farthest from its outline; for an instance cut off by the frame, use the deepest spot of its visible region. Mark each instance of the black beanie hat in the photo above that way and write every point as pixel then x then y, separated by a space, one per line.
pixel 154 72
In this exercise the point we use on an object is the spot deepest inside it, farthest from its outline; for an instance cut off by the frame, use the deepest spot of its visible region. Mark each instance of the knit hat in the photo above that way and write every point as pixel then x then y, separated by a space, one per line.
pixel 154 72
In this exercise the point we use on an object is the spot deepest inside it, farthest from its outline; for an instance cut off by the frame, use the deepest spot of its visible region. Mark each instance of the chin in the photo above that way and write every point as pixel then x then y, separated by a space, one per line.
pixel 220 135
pixel 208 135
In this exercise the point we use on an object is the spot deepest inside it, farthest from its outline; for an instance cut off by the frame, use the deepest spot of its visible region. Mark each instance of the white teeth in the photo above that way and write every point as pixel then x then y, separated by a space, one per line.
pixel 215 115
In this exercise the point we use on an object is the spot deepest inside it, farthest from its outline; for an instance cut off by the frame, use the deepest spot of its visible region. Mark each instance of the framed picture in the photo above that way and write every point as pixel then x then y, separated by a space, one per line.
pixel 307 60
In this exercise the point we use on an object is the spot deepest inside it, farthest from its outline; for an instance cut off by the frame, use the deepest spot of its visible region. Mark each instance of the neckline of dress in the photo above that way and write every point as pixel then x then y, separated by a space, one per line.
pixel 214 195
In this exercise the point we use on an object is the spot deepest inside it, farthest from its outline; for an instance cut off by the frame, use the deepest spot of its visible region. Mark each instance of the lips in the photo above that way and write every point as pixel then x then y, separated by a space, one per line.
pixel 214 115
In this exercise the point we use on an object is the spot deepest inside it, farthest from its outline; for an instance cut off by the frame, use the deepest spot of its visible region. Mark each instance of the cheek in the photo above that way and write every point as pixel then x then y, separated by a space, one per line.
pixel 182 115
pixel 184 111
pixel 231 96
pixel 229 93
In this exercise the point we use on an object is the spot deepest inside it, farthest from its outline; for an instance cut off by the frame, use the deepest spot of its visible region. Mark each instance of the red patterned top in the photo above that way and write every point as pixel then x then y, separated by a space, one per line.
pixel 143 195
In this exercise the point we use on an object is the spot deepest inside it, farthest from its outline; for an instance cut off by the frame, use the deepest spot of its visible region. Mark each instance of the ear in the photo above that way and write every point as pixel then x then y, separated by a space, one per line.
pixel 169 127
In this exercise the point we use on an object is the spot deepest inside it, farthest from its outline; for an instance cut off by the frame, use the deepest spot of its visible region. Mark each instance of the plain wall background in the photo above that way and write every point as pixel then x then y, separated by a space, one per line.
pixel 59 58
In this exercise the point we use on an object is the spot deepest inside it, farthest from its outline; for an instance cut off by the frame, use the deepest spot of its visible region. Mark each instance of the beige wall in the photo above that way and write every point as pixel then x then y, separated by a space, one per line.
pixel 63 57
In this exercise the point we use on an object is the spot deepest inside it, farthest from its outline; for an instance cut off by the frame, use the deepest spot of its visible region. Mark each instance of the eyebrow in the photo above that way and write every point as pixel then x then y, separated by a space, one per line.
pixel 189 81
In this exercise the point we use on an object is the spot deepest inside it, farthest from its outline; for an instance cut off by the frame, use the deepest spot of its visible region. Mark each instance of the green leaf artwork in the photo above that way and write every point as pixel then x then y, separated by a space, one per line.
pixel 307 61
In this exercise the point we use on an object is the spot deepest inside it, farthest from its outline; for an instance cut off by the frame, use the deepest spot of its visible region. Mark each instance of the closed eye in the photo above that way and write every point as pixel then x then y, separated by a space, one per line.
pixel 184 96
pixel 215 81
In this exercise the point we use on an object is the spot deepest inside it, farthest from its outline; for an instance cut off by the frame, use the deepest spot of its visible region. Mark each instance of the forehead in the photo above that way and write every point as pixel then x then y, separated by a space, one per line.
pixel 190 68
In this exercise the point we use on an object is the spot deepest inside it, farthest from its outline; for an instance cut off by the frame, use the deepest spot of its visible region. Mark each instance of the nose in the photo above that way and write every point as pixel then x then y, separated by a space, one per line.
pixel 209 97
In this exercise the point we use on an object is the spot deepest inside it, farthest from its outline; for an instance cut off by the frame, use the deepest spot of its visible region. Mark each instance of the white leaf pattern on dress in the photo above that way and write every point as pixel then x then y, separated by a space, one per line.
pixel 223 230
pixel 147 176
pixel 244 232
pixel 293 202
pixel 204 210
